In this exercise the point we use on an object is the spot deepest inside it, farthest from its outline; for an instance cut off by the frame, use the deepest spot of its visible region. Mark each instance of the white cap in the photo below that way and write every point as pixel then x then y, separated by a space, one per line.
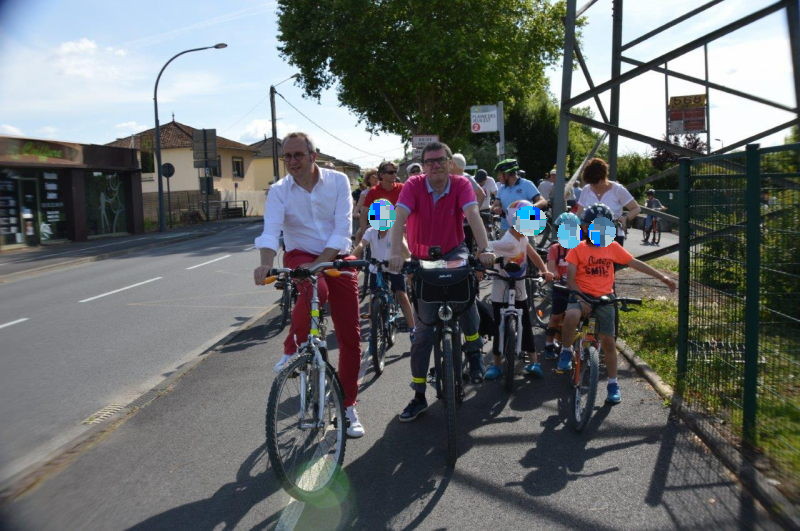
pixel 460 161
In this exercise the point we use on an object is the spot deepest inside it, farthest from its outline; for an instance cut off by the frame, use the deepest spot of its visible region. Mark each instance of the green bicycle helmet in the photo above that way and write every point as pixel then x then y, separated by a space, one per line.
pixel 507 166
pixel 595 211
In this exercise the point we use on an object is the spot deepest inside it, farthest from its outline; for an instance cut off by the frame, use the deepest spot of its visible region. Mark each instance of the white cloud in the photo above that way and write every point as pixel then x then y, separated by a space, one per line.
pixel 48 131
pixel 255 130
pixel 7 129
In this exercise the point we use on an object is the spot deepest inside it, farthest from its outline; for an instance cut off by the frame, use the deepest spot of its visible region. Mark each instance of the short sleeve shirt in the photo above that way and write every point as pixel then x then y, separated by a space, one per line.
pixel 615 198
pixel 558 254
pixel 595 266
pixel 514 251
pixel 522 189
pixel 489 188
pixel 435 221
pixel 378 192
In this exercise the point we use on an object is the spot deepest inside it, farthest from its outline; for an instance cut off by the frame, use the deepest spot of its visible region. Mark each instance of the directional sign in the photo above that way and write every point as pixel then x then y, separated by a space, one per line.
pixel 418 143
pixel 204 146
pixel 483 118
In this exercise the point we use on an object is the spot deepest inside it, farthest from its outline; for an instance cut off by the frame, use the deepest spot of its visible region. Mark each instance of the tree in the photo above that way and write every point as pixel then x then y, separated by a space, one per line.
pixel 664 158
pixel 407 66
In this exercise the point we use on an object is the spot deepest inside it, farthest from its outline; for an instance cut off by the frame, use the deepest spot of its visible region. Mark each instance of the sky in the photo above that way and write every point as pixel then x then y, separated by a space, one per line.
pixel 83 71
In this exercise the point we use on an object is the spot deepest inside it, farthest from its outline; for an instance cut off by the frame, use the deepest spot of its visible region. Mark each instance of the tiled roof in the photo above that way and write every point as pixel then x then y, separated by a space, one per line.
pixel 264 148
pixel 173 135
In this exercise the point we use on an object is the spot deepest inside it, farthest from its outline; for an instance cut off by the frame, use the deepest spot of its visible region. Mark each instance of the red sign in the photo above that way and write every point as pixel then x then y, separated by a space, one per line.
pixel 476 127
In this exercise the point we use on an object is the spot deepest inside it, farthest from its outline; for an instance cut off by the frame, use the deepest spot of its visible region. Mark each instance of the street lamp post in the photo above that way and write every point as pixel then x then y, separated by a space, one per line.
pixel 161 224
pixel 272 93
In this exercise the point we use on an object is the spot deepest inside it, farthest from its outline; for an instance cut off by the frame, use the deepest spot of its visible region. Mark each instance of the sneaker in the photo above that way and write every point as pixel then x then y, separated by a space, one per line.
pixel 493 373
pixel 354 427
pixel 533 369
pixel 550 352
pixel 476 374
pixel 614 395
pixel 565 360
pixel 413 410
pixel 282 362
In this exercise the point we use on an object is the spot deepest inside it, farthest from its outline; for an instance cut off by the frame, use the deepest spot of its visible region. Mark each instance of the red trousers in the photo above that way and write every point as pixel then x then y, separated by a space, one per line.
pixel 344 312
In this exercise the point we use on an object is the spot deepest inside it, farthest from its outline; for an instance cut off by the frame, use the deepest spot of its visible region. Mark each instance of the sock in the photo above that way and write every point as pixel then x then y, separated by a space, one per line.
pixel 612 381
pixel 420 396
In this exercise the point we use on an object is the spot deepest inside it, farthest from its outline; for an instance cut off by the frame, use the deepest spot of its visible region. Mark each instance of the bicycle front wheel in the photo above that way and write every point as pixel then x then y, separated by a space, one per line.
pixel 378 340
pixel 450 399
pixel 541 303
pixel 510 352
pixel 306 451
pixel 584 387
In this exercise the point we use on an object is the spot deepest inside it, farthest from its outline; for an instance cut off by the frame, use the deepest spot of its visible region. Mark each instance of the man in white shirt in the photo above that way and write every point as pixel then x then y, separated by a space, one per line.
pixel 547 184
pixel 489 187
pixel 312 206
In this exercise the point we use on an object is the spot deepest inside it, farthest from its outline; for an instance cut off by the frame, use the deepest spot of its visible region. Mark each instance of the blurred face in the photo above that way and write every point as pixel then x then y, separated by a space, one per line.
pixel 389 175
pixel 436 163
pixel 299 161
pixel 372 179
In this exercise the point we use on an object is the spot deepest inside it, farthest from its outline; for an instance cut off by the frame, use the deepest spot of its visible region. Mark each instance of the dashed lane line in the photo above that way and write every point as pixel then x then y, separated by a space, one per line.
pixel 14 322
pixel 121 289
pixel 209 262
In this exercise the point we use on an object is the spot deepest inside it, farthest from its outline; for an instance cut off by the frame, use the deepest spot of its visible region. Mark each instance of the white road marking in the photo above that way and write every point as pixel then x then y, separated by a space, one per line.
pixel 14 322
pixel 210 261
pixel 246 249
pixel 121 289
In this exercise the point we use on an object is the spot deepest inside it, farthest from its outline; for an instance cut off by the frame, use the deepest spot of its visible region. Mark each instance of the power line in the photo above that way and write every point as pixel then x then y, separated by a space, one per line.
pixel 246 114
pixel 325 130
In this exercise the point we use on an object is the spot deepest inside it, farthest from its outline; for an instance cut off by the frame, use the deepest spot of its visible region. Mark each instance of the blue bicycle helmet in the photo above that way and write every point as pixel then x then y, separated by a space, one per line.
pixel 567 217
pixel 595 211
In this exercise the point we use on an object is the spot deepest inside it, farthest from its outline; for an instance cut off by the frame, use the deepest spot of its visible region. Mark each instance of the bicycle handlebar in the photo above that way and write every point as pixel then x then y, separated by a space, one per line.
pixel 599 301
pixel 331 269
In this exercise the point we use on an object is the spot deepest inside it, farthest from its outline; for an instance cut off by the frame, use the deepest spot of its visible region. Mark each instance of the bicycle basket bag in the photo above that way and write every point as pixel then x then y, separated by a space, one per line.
pixel 455 286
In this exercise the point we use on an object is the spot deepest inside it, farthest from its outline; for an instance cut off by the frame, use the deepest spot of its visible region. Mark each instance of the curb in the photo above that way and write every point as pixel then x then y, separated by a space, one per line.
pixel 778 506
pixel 57 461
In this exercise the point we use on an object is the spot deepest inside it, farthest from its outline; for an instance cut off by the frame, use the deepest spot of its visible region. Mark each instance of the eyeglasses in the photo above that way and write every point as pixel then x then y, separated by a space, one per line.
pixel 296 156
pixel 439 160
pixel 389 172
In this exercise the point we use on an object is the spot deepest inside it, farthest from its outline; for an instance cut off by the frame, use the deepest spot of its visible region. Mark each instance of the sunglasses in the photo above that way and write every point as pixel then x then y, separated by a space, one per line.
pixel 389 172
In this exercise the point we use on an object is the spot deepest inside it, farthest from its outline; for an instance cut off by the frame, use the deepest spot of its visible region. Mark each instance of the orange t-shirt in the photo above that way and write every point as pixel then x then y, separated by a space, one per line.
pixel 595 266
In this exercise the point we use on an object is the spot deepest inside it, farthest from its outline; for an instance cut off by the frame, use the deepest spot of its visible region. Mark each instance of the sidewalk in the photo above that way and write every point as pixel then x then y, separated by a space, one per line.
pixel 18 263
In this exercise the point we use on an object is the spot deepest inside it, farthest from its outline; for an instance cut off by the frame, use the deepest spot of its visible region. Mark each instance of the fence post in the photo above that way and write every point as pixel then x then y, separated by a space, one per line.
pixel 684 176
pixel 752 290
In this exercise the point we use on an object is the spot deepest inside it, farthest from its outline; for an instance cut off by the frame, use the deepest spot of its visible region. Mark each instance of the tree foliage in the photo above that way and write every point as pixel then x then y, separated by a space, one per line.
pixel 412 66
pixel 664 158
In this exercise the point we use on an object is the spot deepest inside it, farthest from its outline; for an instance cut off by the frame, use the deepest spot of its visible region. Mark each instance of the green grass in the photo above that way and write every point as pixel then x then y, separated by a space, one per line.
pixel 650 331
pixel 664 264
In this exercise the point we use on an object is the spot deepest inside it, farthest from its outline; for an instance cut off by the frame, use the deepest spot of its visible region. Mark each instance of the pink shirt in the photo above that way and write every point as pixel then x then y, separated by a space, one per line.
pixel 435 220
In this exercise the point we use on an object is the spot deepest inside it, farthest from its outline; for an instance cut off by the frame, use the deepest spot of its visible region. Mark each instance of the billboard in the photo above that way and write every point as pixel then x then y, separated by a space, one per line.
pixel 687 114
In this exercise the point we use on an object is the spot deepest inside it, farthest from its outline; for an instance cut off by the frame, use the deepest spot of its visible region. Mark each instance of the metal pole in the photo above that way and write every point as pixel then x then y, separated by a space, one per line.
pixel 208 176
pixel 752 289
pixel 616 52
pixel 708 104
pixel 684 267
pixel 274 135
pixel 793 21
pixel 563 122
pixel 160 178
pixel 169 203
pixel 666 102
pixel 501 126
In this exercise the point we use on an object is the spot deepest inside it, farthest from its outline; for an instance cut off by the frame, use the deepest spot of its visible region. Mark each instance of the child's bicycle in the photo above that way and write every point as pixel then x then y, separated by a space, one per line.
pixel 585 372
pixel 383 315
pixel 510 325
pixel 306 423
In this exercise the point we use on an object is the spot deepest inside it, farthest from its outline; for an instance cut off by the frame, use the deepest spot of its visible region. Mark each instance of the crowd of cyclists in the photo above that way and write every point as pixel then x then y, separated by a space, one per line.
pixel 440 209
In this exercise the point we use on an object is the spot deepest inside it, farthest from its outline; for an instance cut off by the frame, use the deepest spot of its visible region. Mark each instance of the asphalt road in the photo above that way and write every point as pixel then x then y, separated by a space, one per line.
pixel 99 335
pixel 195 459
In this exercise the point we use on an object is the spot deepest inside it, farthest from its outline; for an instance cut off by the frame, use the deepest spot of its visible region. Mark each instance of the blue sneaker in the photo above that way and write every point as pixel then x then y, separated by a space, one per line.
pixel 550 352
pixel 614 396
pixel 533 369
pixel 565 360
pixel 493 373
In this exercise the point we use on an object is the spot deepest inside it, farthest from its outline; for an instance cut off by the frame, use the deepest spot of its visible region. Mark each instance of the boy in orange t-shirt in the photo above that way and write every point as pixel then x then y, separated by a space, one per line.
pixel 590 270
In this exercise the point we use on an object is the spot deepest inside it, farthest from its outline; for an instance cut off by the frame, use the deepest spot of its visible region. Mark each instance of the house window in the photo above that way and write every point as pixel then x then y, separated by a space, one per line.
pixel 238 167
pixel 217 170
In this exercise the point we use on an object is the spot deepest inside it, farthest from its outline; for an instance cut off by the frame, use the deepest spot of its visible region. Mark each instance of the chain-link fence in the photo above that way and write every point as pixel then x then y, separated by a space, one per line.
pixel 739 306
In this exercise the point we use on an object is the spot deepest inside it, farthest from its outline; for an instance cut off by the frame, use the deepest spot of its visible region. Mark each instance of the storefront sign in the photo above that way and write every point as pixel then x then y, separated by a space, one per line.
pixel 29 151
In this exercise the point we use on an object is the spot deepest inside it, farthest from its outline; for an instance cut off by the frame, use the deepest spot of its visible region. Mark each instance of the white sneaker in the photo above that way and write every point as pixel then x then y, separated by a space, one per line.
pixel 282 362
pixel 355 429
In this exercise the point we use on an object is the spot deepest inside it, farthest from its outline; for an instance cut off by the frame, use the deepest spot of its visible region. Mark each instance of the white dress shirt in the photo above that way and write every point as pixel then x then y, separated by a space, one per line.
pixel 310 221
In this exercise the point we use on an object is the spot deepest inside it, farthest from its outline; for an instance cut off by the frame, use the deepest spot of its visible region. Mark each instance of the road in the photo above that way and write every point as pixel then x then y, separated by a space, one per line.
pixel 78 340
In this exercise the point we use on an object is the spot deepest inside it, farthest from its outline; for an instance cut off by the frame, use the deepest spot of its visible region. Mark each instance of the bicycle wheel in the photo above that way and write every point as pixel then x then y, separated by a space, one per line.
pixel 307 455
pixel 656 232
pixel 378 334
pixel 449 384
pixel 286 303
pixel 540 300
pixel 584 386
pixel 510 352
pixel 392 314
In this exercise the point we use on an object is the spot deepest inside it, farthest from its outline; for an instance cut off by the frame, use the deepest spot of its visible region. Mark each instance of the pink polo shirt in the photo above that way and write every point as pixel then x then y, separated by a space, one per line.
pixel 435 220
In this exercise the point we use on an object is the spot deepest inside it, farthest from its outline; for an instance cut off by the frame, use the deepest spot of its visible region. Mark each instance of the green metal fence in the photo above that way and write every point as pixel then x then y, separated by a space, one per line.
pixel 739 306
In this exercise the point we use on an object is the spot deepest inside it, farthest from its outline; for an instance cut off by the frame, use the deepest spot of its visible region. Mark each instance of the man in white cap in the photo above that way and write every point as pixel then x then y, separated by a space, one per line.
pixel 415 168
pixel 458 165
pixel 547 184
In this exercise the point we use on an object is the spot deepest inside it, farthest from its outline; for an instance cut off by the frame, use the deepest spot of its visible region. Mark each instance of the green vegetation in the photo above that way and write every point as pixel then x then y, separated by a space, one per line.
pixel 664 264
pixel 650 331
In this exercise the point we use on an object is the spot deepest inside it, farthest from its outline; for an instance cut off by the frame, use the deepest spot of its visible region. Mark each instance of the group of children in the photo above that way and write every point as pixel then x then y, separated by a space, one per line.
pixel 583 259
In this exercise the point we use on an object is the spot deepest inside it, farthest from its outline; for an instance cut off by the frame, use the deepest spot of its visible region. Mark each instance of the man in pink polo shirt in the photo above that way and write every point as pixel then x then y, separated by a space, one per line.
pixel 431 210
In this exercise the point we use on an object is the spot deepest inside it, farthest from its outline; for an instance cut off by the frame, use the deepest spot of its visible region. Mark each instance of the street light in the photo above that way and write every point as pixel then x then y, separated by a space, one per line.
pixel 722 144
pixel 161 224
pixel 272 92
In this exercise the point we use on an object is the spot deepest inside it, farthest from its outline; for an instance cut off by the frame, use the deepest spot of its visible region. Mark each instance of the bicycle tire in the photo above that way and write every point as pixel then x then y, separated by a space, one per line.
pixel 584 387
pixel 540 299
pixel 392 312
pixel 450 399
pixel 510 352
pixel 378 335
pixel 286 303
pixel 303 464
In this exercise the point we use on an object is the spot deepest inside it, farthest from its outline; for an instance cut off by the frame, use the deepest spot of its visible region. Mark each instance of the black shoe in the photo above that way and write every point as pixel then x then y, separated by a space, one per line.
pixel 413 410
pixel 476 369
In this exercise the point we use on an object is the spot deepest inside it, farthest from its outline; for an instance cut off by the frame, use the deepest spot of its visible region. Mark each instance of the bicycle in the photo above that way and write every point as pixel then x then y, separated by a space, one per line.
pixel 510 325
pixel 384 313
pixel 492 224
pixel 585 372
pixel 656 229
pixel 540 300
pixel 306 431
pixel 435 283
pixel 288 300
pixel 364 287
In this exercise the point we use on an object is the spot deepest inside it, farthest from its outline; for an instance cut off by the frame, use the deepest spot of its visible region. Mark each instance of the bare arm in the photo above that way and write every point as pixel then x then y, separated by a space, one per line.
pixel 479 233
pixel 396 243
pixel 638 265
pixel 539 263
pixel 480 195
pixel 633 210
pixel 267 261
